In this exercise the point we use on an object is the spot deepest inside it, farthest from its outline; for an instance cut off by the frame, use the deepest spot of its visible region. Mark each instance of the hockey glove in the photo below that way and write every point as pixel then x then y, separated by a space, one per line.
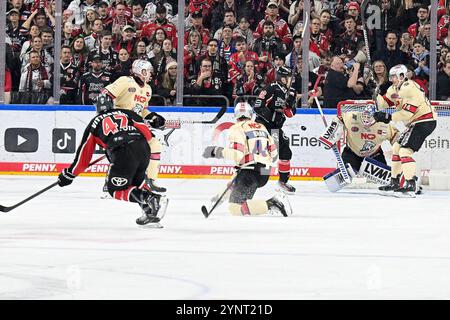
pixel 213 152
pixel 65 178
pixel 155 120
pixel 290 100
pixel 382 117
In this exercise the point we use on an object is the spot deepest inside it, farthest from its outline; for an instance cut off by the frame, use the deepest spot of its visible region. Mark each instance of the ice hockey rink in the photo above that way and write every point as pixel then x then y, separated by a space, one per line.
pixel 70 244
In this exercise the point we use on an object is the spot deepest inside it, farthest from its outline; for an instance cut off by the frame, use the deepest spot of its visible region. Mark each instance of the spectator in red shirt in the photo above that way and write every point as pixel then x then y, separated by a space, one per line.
pixel 160 22
pixel 238 59
pixel 422 18
pixel 197 24
pixel 127 41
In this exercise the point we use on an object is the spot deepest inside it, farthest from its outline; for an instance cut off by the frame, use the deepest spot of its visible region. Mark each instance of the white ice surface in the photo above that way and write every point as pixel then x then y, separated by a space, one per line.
pixel 70 244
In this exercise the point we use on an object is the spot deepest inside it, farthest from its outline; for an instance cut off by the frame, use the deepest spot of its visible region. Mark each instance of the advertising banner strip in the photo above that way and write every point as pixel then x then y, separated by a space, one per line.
pixel 166 171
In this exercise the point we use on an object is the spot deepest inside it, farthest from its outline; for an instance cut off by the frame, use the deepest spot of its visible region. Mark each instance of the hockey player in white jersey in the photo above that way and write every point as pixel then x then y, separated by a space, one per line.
pixel 363 152
pixel 253 150
pixel 413 108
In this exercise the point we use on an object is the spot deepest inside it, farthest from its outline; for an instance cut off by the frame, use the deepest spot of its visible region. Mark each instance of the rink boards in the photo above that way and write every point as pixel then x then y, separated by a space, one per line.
pixel 42 140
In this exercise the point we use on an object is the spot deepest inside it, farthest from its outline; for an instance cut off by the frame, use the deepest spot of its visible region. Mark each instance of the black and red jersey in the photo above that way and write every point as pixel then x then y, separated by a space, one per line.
pixel 110 130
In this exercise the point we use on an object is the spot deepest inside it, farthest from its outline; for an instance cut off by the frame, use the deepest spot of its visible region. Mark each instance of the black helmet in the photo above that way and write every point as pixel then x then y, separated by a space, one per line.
pixel 104 103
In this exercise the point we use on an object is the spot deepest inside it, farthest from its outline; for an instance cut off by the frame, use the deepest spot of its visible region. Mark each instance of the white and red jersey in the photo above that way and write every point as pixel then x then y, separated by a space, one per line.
pixel 249 143
pixel 281 28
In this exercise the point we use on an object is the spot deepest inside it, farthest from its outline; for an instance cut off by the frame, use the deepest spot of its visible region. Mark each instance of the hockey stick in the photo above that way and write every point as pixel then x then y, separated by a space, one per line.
pixel 340 162
pixel 218 201
pixel 7 209
pixel 366 43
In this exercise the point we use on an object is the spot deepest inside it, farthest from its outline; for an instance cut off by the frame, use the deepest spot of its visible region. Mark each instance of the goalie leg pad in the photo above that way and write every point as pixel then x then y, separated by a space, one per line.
pixel 335 180
pixel 375 171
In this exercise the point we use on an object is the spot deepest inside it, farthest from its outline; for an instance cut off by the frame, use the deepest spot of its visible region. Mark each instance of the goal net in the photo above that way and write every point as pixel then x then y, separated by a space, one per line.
pixel 433 159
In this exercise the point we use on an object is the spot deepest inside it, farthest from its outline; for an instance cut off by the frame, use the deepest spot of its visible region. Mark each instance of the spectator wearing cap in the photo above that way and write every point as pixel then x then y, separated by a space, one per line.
pixel 93 40
pixel 197 25
pixel 105 14
pixel 227 43
pixel 24 11
pixel 69 77
pixel 127 40
pixel 243 30
pixel 249 83
pixel 167 86
pixel 281 27
pixel 353 10
pixel 139 17
pixel 108 55
pixel 268 46
pixel 13 31
pixel 238 59
pixel 228 20
pixel 79 9
pixel 93 81
pixel 160 21
pixel 423 16
pixel 443 83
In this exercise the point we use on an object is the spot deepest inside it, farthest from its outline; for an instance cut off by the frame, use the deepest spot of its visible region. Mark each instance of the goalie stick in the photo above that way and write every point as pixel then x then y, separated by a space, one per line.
pixel 340 162
pixel 7 209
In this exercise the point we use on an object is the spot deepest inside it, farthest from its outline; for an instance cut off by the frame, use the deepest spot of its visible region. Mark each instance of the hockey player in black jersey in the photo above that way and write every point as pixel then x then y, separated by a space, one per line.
pixel 274 104
pixel 124 136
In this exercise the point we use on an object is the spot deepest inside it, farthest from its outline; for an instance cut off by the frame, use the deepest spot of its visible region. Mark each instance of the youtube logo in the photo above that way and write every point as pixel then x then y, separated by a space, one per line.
pixel 21 140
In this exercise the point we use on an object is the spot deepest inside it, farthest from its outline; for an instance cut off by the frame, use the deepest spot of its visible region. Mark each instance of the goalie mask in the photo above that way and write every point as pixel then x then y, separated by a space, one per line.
pixel 399 71
pixel 367 115
pixel 142 69
pixel 243 110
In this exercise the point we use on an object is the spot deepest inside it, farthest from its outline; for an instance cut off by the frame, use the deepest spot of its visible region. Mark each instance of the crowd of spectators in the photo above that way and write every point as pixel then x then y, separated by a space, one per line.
pixel 232 47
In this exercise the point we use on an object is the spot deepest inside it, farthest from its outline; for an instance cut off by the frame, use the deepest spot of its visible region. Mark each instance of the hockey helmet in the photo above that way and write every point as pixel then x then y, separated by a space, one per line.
pixel 399 71
pixel 243 110
pixel 142 69
pixel 104 103
pixel 367 115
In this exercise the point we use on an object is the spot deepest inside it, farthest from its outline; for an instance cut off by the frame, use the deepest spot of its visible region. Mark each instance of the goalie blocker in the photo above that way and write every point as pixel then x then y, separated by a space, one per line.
pixel 374 171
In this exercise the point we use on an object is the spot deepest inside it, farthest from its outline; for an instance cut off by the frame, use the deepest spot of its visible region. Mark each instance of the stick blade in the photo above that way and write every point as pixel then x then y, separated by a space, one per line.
pixel 205 212
pixel 4 209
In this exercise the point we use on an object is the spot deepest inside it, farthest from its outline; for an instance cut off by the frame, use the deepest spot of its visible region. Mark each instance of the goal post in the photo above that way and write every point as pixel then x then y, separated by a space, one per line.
pixel 433 159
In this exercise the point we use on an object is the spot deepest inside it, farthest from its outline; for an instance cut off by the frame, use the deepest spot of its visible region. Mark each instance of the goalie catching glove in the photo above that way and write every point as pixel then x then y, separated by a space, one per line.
pixel 213 152
pixel 65 178
pixel 332 134
pixel 155 120
pixel 382 117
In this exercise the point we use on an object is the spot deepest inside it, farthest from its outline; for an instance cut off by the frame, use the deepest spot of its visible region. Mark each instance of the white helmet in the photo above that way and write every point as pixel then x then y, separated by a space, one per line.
pixel 243 110
pixel 399 71
pixel 138 68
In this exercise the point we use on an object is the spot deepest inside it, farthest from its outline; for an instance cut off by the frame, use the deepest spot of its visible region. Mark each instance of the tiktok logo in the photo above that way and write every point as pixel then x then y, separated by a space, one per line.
pixel 64 141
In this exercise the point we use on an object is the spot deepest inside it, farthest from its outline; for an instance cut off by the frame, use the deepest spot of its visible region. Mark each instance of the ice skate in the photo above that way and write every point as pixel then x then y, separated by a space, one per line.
pixel 279 204
pixel 154 187
pixel 153 210
pixel 285 187
pixel 391 187
pixel 409 189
